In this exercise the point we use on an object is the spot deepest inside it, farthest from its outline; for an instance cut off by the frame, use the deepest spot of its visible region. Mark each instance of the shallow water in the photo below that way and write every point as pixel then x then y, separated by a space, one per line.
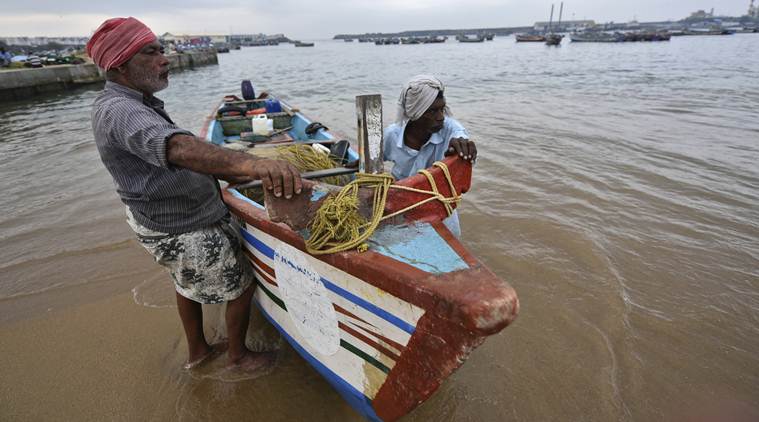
pixel 617 190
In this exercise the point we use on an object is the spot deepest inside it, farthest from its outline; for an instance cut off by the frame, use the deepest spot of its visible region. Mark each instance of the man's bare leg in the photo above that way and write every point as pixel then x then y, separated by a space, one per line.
pixel 191 314
pixel 237 319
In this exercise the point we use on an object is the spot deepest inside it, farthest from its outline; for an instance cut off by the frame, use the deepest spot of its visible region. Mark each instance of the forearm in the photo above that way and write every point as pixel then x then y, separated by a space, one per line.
pixel 194 154
pixel 280 177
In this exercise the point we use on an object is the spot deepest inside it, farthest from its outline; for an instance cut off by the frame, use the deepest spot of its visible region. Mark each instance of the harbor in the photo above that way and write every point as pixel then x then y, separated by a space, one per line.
pixel 615 191
pixel 19 84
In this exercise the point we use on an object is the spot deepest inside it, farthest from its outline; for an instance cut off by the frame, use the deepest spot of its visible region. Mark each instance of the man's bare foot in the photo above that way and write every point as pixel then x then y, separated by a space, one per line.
pixel 213 351
pixel 253 362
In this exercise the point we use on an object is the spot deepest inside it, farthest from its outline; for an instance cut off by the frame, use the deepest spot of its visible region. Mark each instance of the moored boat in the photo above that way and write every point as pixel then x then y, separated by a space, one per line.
pixel 554 39
pixel 303 44
pixel 530 38
pixel 551 37
pixel 467 38
pixel 595 36
pixel 386 326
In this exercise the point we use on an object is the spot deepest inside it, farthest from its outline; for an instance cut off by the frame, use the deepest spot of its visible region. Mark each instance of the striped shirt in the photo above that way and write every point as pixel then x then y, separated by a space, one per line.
pixel 131 133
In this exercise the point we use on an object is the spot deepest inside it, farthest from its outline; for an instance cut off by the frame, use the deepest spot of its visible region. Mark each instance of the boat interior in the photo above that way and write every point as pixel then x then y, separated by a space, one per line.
pixel 290 135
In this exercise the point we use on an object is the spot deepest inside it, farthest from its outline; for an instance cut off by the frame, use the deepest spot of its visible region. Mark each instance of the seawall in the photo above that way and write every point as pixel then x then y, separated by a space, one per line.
pixel 16 84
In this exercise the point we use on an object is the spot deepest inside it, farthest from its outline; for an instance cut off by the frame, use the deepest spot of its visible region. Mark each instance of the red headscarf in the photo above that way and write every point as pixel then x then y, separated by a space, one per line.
pixel 117 40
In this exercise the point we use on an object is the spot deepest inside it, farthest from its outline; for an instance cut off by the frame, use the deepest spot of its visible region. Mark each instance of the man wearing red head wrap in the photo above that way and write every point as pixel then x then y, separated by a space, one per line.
pixel 166 177
pixel 117 40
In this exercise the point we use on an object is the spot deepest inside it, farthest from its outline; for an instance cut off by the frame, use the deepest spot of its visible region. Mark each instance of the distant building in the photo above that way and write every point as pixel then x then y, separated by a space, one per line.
pixel 700 14
pixel 565 25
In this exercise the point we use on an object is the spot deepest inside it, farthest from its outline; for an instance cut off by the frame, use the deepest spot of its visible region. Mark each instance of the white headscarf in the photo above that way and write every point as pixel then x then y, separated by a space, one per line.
pixel 417 96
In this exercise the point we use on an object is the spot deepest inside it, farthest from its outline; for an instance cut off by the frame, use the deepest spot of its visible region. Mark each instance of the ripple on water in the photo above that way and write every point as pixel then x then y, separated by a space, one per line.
pixel 616 185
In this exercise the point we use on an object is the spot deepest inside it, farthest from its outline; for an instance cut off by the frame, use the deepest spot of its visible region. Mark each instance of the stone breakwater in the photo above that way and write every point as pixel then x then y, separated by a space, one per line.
pixel 18 84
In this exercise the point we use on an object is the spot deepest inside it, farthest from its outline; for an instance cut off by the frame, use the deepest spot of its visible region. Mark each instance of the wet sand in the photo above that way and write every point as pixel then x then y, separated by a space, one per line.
pixel 100 355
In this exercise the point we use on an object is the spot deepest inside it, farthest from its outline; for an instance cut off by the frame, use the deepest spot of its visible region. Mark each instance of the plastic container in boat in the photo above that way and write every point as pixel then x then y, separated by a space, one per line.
pixel 273 106
pixel 261 125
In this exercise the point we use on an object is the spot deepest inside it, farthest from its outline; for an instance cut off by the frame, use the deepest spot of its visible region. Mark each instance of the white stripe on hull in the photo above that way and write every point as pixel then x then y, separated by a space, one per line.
pixel 351 367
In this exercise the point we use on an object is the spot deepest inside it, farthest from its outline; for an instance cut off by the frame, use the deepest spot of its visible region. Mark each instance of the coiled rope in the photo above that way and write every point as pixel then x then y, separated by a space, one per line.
pixel 338 226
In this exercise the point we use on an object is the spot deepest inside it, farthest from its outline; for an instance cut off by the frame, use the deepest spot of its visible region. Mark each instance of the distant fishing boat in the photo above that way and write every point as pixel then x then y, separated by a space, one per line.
pixel 596 36
pixel 708 31
pixel 554 39
pixel 605 37
pixel 384 327
pixel 410 40
pixel 260 43
pixel 530 38
pixel 551 38
pixel 434 40
pixel 303 44
pixel 466 38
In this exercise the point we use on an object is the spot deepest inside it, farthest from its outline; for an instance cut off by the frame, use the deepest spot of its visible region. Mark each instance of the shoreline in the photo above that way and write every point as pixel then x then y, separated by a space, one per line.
pixel 106 356
pixel 19 84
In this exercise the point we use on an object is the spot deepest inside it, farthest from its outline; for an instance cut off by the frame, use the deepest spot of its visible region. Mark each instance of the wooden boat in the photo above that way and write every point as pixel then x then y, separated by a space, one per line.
pixel 596 36
pixel 554 39
pixel 530 38
pixel 708 31
pixel 466 38
pixel 551 37
pixel 387 326
pixel 434 39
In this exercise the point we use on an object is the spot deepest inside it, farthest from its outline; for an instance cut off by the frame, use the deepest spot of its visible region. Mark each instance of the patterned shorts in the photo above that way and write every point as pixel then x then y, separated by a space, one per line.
pixel 207 265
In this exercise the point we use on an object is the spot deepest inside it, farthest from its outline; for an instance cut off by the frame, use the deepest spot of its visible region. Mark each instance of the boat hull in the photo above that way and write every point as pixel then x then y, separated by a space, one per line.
pixel 387 326
pixel 389 332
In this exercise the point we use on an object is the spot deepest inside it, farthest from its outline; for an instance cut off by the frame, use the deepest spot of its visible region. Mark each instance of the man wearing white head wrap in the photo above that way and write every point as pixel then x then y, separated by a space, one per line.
pixel 417 96
pixel 425 132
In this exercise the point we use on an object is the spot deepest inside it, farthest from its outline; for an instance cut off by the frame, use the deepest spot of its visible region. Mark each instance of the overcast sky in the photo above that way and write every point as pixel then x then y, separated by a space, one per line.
pixel 325 18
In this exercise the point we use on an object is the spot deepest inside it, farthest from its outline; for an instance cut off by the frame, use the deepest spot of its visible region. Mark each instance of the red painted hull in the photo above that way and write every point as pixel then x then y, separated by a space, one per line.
pixel 460 307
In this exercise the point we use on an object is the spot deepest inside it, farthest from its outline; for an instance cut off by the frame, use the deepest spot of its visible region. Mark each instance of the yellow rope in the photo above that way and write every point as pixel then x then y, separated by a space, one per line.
pixel 304 157
pixel 338 226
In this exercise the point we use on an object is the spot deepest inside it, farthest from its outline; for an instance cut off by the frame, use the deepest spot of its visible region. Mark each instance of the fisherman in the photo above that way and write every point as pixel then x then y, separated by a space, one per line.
pixel 166 177
pixel 425 132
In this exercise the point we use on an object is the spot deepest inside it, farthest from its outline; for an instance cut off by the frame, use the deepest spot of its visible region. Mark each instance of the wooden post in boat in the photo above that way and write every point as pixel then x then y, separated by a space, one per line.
pixel 369 115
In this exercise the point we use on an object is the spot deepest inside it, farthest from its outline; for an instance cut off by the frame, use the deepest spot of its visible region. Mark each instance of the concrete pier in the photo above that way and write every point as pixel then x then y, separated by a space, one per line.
pixel 18 84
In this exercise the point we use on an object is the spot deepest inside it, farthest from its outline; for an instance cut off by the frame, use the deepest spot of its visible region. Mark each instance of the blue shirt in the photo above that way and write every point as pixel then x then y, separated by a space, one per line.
pixel 408 161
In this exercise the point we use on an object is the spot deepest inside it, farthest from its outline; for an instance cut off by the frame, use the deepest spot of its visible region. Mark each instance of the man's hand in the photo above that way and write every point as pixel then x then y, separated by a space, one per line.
pixel 278 176
pixel 463 147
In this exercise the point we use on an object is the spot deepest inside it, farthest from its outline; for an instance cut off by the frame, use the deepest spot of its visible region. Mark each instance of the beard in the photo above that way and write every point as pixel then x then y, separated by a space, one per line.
pixel 145 80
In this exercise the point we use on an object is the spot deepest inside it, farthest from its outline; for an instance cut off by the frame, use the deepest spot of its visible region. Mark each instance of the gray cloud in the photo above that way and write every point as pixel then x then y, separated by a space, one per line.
pixel 325 18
